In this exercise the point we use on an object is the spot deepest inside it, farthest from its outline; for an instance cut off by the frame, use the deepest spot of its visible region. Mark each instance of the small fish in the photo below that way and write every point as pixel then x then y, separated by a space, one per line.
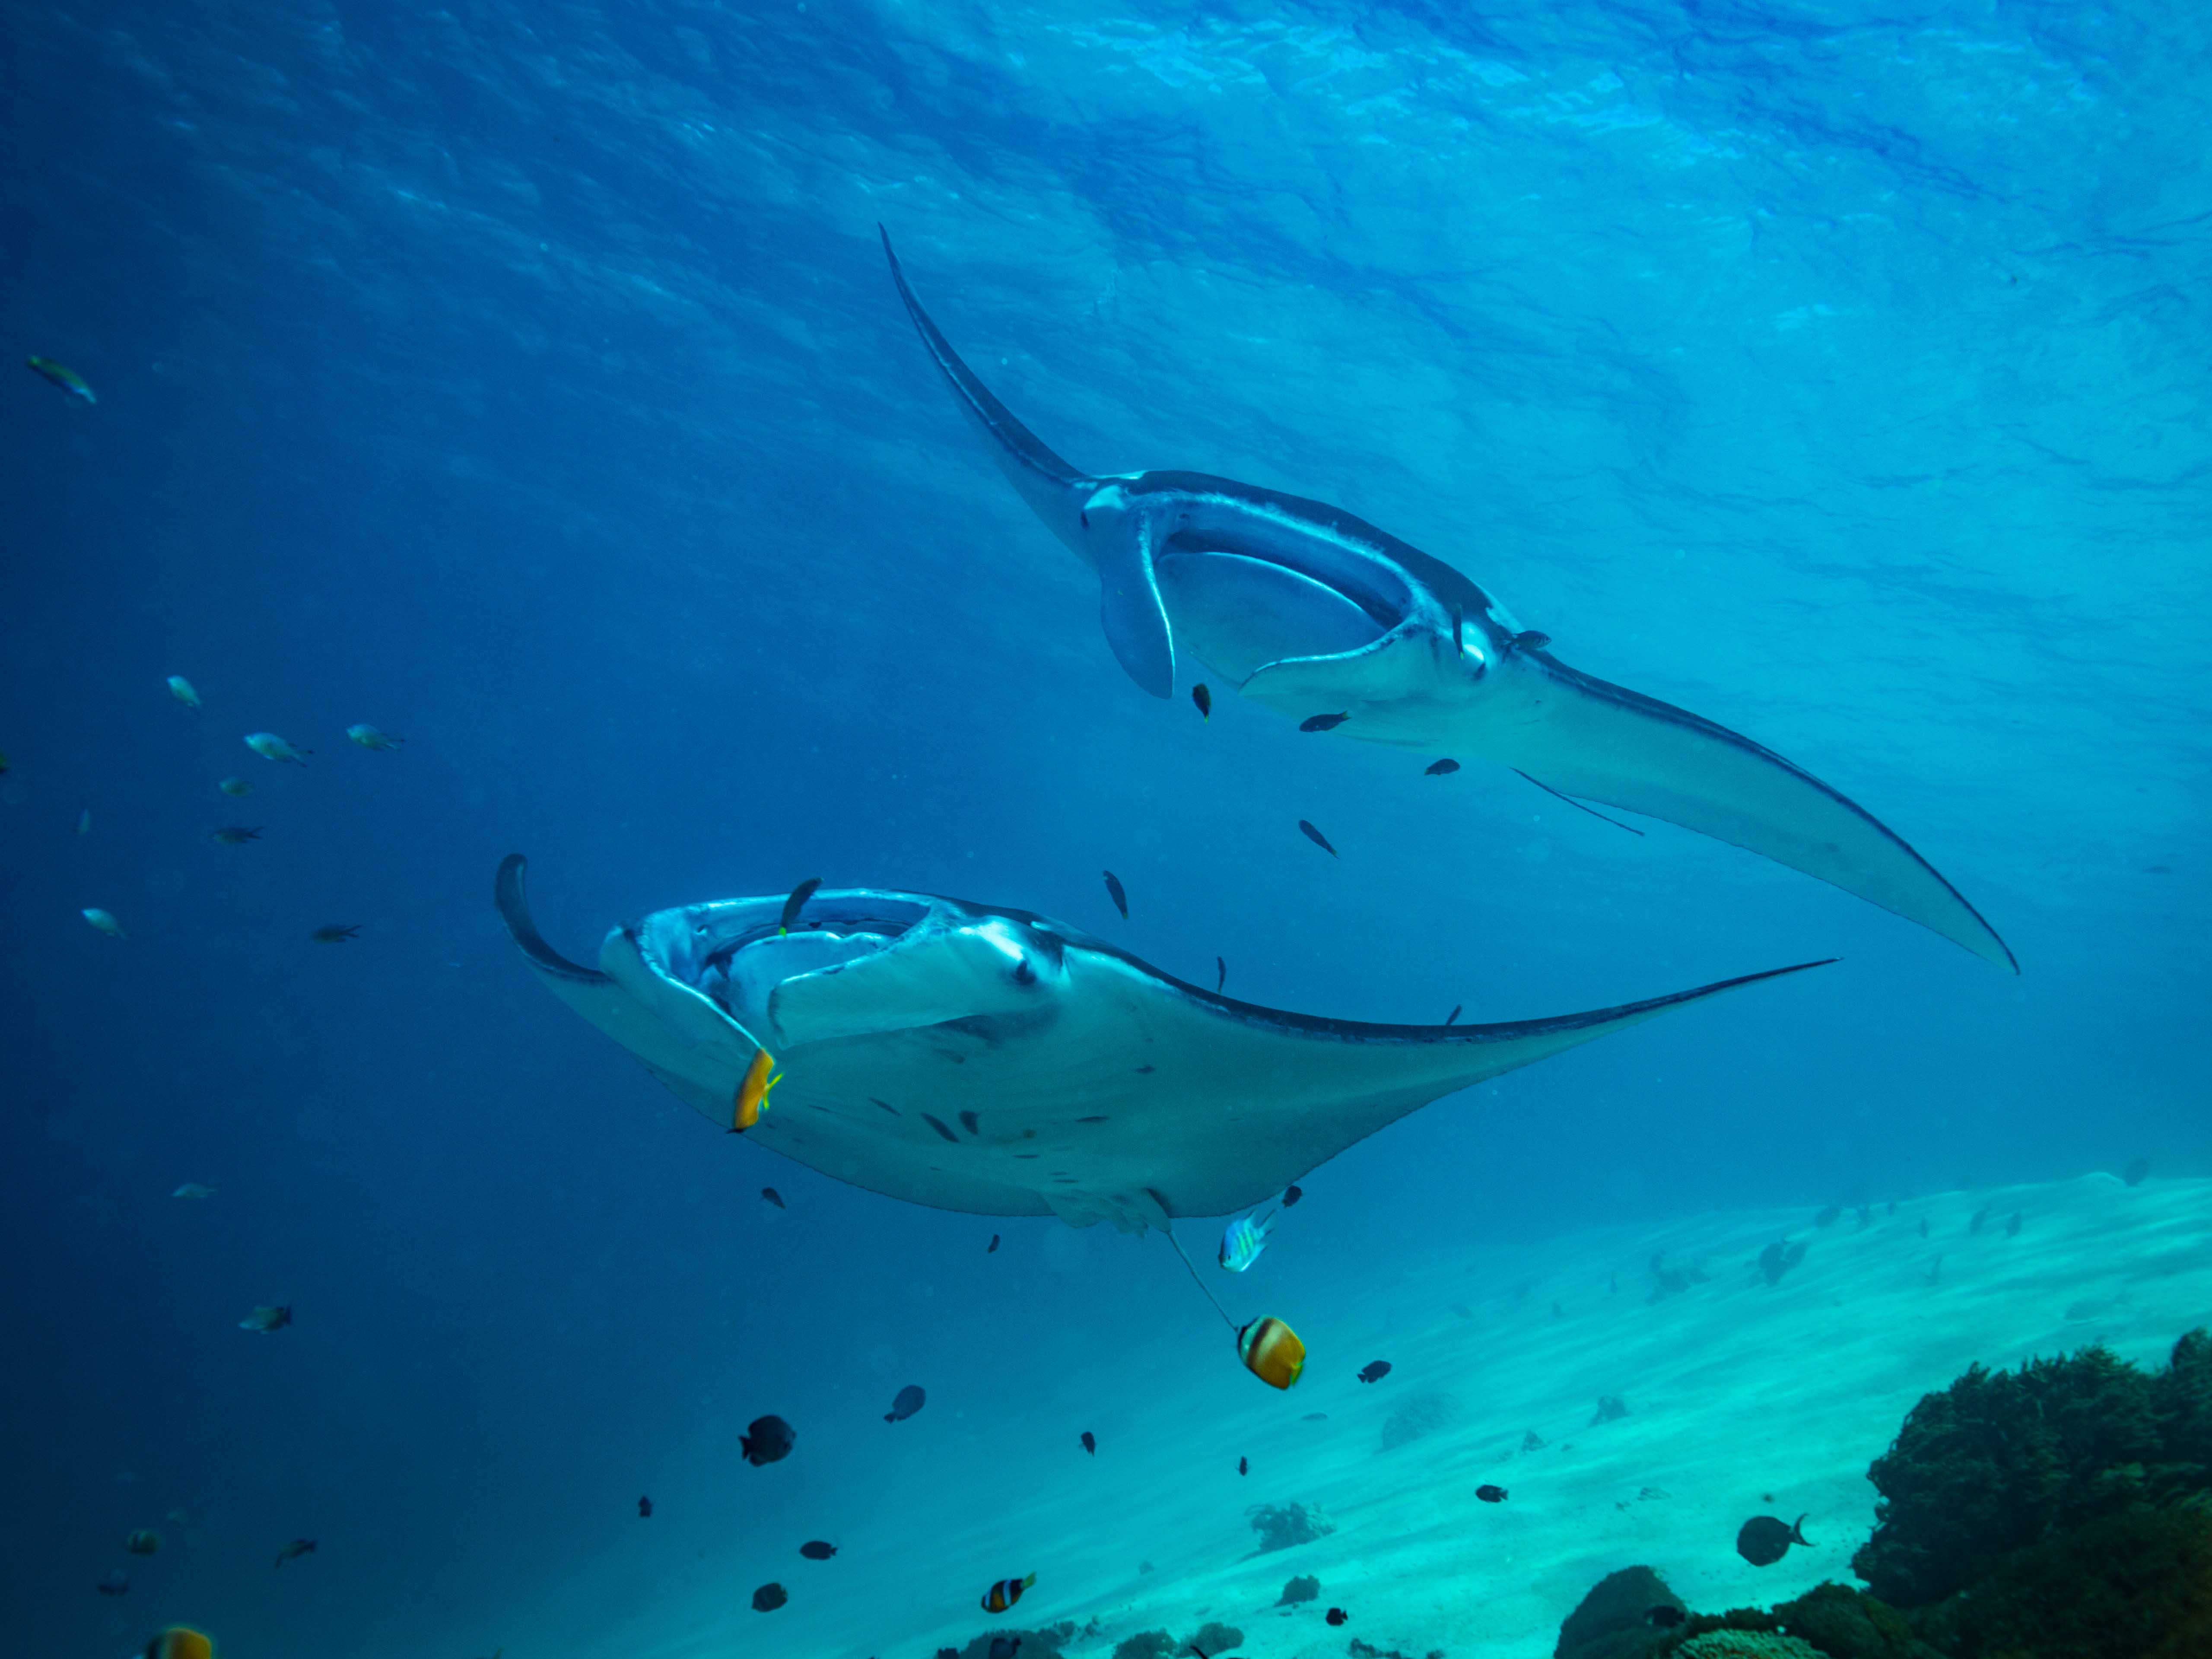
pixel 1114 892
pixel 238 787
pixel 645 1508
pixel 1243 1466
pixel 1665 1616
pixel 270 746
pixel 773 1196
pixel 1314 1416
pixel 1491 1494
pixel 1764 1539
pixel 1323 722
pixel 766 1440
pixel 335 933
pixel 104 921
pixel 991 1248
pixel 795 902
pixel 1316 837
pixel 768 1597
pixel 3 763
pixel 753 1087
pixel 1442 768
pixel 1335 1616
pixel 2012 1224
pixel 1532 1441
pixel 1271 1351
pixel 1091 1443
pixel 1204 699
pixel 2137 1172
pixel 182 1642
pixel 72 385
pixel 294 1550
pixel 908 1400
pixel 264 1320
pixel 1004 1593
pixel 84 822
pixel 1980 1216
pixel 369 738
pixel 1529 640
pixel 1292 1193
pixel 115 1583
pixel 234 835
pixel 143 1543
pixel 1221 978
pixel 816 1550
pixel 1375 1371
pixel 1243 1239
pixel 181 690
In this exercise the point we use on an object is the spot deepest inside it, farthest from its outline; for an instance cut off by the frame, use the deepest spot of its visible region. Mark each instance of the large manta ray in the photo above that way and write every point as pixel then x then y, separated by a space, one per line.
pixel 970 1058
pixel 1309 610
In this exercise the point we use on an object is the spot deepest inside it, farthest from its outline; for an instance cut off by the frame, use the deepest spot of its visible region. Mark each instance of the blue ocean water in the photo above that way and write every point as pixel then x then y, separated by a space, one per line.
pixel 526 381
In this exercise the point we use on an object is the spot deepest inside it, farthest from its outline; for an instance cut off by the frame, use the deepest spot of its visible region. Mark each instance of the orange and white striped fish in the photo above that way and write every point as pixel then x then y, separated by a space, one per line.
pixel 1004 1593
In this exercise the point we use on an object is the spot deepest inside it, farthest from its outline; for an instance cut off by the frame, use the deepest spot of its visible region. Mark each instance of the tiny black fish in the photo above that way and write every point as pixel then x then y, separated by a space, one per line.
pixel 796 903
pixel 1442 768
pixel 1114 892
pixel 991 1248
pixel 1204 699
pixel 1375 1371
pixel 1221 978
pixel 1335 1616
pixel 1243 1466
pixel 1292 1193
pixel 773 1196
pixel 1980 1216
pixel 909 1401
pixel 1491 1494
pixel 1091 1443
pixel 768 1597
pixel 818 1551
pixel 1316 837
pixel 117 1582
pixel 766 1440
pixel 1530 640
pixel 1532 1441
pixel 236 835
pixel 1452 1019
pixel 336 932
pixel 1665 1616
pixel 294 1550
pixel 645 1508
pixel 1323 722
pixel 1314 1416
pixel 2137 1172
pixel 1764 1539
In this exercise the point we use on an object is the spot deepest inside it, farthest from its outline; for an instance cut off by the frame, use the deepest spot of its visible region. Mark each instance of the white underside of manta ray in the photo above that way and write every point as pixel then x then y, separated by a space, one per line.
pixel 1000 1063
pixel 1307 609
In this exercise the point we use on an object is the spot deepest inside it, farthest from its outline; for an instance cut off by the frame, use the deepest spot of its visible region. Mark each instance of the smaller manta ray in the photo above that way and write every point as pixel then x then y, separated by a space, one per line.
pixel 1108 1090
pixel 1303 607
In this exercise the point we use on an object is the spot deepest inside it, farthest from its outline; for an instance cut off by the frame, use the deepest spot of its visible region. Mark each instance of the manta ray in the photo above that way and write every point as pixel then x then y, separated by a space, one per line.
pixel 1309 610
pixel 993 1061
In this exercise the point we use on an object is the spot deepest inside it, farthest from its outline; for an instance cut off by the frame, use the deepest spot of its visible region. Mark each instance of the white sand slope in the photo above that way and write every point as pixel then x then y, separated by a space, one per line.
pixel 1742 1399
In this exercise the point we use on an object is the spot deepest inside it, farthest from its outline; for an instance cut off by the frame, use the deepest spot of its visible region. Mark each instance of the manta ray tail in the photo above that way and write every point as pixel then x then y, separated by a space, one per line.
pixel 1053 488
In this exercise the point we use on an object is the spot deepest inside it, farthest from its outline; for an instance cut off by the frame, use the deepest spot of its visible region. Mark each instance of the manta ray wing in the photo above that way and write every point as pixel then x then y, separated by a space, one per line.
pixel 1079 1082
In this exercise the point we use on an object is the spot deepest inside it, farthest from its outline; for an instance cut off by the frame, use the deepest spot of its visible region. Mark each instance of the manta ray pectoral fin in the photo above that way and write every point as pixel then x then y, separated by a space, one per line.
pixel 1129 605
pixel 941 969
pixel 1600 742
pixel 1055 490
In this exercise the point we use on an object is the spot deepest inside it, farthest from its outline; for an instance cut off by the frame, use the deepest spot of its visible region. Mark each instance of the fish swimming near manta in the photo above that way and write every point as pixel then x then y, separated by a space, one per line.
pixel 1301 606
pixel 1116 1092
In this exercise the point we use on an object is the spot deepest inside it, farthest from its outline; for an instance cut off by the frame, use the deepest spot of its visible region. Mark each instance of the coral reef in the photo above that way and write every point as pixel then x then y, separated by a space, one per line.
pixel 1045 1643
pixel 1747 1644
pixel 1609 1406
pixel 1303 1588
pixel 1422 1415
pixel 1613 1620
pixel 1144 1644
pixel 2001 1461
pixel 1282 1525
pixel 1214 1637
